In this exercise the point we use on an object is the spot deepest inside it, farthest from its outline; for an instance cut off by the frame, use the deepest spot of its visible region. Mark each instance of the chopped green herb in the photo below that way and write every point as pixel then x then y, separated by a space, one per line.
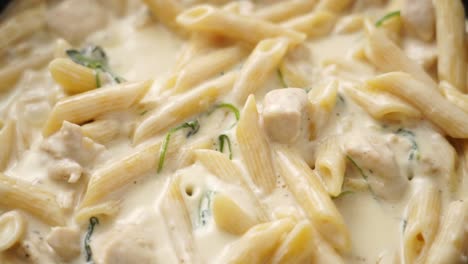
pixel 194 126
pixel 404 224
pixel 281 78
pixel 387 17
pixel 229 107
pixel 93 221
pixel 204 210
pixel 144 112
pixel 98 79
pixel 94 58
pixel 359 168
pixel 221 140
pixel 414 145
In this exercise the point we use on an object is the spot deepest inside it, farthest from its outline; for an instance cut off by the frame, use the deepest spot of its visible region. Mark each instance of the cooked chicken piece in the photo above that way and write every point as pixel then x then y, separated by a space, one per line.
pixel 65 241
pixel 283 114
pixel 66 169
pixel 378 164
pixel 76 19
pixel 419 18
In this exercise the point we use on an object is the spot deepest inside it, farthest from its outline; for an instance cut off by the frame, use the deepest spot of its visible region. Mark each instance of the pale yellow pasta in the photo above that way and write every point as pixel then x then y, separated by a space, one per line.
pixel 205 67
pixel 120 173
pixel 331 164
pixel 206 18
pixel 72 77
pixel 178 221
pixel 16 194
pixel 387 56
pixel 60 48
pixel 20 26
pixel 421 224
pixel 283 10
pixel 229 216
pixel 88 105
pixel 107 209
pixel 11 73
pixel 259 243
pixel 454 95
pixel 101 131
pixel 452 237
pixel 292 75
pixel 349 24
pixel 382 105
pixel 12 229
pixel 313 198
pixel 219 165
pixel 334 5
pixel 435 107
pixel 314 25
pixel 7 139
pixel 184 106
pixel 324 96
pixel 325 253
pixel 255 148
pixel 166 11
pixel 263 60
pixel 450 32
pixel 297 246
pixel 187 154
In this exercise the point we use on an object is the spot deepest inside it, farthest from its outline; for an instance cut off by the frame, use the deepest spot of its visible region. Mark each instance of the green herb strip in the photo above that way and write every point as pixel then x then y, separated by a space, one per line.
pixel 414 145
pixel 361 171
pixel 93 221
pixel 204 210
pixel 387 17
pixel 194 126
pixel 230 107
pixel 221 140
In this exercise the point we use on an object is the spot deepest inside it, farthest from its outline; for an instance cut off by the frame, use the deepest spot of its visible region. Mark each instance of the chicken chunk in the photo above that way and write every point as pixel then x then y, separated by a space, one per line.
pixel 283 114
pixel 75 19
pixel 65 241
pixel 419 18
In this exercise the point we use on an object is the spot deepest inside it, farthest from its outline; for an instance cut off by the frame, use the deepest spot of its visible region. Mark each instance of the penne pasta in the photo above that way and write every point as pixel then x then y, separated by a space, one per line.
pixel 421 224
pixel 255 148
pixel 313 198
pixel 101 131
pixel 450 33
pixel 454 95
pixel 206 18
pixel 12 229
pixel 189 104
pixel 86 106
pixel 166 12
pixel 335 6
pixel 432 104
pixel 264 59
pixel 314 25
pixel 72 77
pixel 229 216
pixel 108 209
pixel 15 194
pixel 331 164
pixel 284 10
pixel 7 139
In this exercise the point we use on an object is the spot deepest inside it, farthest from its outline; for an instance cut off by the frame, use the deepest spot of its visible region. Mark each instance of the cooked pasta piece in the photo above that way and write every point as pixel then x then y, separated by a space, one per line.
pixel 450 27
pixel 285 9
pixel 73 77
pixel 101 131
pixel 7 139
pixel 314 25
pixel 263 61
pixel 259 243
pixel 324 96
pixel 419 18
pixel 421 224
pixel 255 148
pixel 12 229
pixel 86 106
pixel 166 11
pixel 313 198
pixel 229 216
pixel 16 194
pixel 297 246
pixel 349 24
pixel 206 18
pixel 334 5
pixel 20 26
pixel 451 119
pixel 107 208
pixel 60 48
pixel 220 165
pixel 188 155
pixel 382 105
pixel 204 67
pixel 178 221
pixel 331 164
pixel 452 237
pixel 11 73
pixel 189 104
pixel 454 95
pixel 387 56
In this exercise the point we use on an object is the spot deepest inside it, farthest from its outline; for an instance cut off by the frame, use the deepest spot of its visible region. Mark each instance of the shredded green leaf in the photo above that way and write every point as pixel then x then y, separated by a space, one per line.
pixel 221 140
pixel 93 221
pixel 359 168
pixel 194 126
pixel 281 78
pixel 204 210
pixel 94 58
pixel 230 107
pixel 387 17
pixel 414 145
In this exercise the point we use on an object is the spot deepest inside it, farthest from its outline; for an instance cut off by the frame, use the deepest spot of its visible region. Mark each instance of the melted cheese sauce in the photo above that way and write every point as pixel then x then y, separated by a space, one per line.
pixel 140 49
